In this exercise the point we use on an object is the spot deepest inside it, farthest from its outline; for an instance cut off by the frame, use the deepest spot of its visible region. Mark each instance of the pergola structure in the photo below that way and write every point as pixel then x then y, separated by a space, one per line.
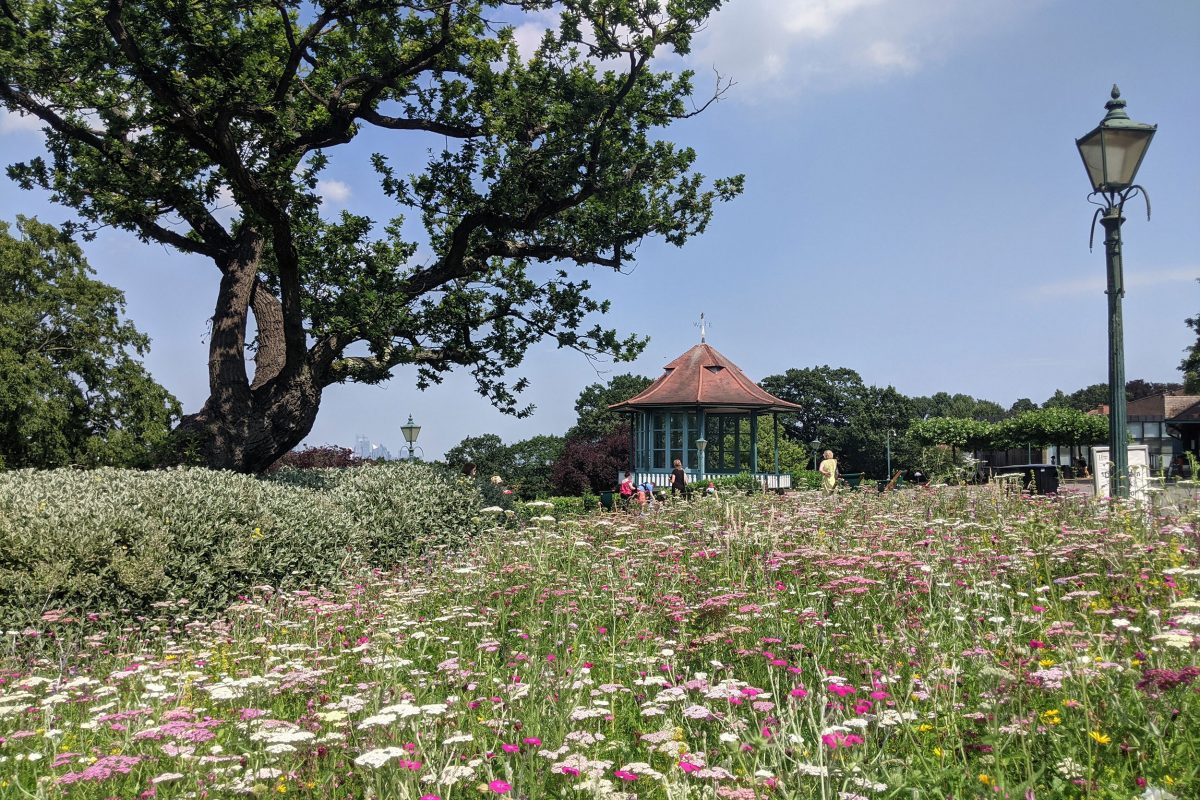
pixel 705 412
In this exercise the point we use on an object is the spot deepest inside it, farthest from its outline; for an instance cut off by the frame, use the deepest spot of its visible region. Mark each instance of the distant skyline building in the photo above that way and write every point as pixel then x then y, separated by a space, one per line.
pixel 365 448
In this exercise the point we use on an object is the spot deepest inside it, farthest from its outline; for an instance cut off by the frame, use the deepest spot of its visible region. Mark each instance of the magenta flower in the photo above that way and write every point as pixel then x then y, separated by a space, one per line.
pixel 688 766
pixel 533 741
pixel 500 787
pixel 511 748
pixel 841 689
pixel 625 775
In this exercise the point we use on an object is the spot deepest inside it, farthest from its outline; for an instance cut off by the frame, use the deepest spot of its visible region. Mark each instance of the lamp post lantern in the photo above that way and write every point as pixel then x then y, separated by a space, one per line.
pixel 1111 154
pixel 815 444
pixel 411 432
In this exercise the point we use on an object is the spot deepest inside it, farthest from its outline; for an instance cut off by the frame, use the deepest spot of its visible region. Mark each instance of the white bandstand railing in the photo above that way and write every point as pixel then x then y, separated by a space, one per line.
pixel 768 480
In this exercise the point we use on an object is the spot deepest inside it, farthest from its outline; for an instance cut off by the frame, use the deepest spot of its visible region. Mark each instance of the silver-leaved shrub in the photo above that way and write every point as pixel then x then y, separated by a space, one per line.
pixel 121 540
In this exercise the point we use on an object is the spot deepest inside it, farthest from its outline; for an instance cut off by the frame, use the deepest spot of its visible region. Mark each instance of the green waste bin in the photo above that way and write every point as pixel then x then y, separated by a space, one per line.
pixel 606 501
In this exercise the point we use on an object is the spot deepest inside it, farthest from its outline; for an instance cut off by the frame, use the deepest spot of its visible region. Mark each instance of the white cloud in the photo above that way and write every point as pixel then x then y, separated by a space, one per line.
pixel 16 123
pixel 775 48
pixel 333 191
pixel 1097 283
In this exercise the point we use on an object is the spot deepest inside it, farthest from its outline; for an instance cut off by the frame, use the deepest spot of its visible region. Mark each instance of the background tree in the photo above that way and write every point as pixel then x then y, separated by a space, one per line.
pixel 72 387
pixel 1137 389
pixel 1190 366
pixel 487 452
pixel 844 415
pixel 828 395
pixel 594 420
pixel 1021 405
pixel 960 406
pixel 533 166
pixel 531 464
pixel 1095 396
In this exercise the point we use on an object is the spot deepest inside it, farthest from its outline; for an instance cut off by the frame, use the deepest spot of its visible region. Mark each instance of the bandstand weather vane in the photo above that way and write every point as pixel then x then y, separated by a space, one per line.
pixel 703 326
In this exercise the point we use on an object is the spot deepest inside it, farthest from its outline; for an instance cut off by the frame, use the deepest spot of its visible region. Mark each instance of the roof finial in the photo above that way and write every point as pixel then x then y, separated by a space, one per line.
pixel 703 327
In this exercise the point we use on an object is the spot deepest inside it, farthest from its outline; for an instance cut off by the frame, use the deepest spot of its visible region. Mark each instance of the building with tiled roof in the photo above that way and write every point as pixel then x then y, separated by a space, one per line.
pixel 705 412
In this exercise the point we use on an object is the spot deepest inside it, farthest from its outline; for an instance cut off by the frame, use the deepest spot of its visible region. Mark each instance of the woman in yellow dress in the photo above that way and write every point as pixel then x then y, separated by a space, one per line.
pixel 829 472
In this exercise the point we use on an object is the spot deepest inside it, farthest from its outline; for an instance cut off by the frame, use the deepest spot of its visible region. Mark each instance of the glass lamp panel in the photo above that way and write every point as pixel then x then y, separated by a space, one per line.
pixel 1092 150
pixel 411 432
pixel 1123 152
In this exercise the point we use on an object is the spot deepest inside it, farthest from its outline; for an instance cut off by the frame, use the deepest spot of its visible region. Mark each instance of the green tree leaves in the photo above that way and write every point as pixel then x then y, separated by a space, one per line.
pixel 520 170
pixel 72 388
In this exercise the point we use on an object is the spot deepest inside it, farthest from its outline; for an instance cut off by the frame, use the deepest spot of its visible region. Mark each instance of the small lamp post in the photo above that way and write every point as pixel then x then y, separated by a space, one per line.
pixel 890 434
pixel 1112 153
pixel 815 444
pixel 411 432
pixel 701 446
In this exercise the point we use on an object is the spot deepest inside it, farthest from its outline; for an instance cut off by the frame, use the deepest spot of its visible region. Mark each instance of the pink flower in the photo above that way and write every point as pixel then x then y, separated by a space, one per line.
pixel 500 787
pixel 841 689
pixel 551 657
pixel 533 741
pixel 688 766
pixel 1035 644
pixel 799 691
pixel 429 797
pixel 570 771
pixel 511 748
pixel 625 776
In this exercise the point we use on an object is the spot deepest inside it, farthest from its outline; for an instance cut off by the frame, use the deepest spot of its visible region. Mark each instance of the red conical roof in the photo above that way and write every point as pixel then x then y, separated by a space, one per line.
pixel 704 378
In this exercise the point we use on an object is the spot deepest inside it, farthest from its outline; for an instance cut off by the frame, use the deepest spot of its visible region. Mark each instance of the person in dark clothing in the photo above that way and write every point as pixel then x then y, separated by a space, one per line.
pixel 679 479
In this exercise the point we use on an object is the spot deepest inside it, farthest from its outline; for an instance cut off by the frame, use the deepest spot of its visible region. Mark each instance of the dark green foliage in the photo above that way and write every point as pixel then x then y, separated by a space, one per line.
pixel 72 387
pixel 960 406
pixel 843 414
pixel 487 452
pixel 595 421
pixel 121 540
pixel 1095 396
pixel 525 169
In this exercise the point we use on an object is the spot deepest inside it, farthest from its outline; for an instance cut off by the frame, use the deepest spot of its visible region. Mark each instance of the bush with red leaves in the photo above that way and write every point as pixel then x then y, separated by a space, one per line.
pixel 587 466
pixel 323 457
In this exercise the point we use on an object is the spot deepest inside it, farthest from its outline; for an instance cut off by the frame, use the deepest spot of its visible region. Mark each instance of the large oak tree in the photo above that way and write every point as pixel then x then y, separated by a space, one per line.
pixel 533 167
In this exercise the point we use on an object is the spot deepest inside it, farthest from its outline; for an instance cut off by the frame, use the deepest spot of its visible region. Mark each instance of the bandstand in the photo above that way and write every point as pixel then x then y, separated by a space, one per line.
pixel 705 412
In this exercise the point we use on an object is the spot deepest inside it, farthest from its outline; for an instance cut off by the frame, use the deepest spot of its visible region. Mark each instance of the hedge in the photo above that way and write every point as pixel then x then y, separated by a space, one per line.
pixel 121 540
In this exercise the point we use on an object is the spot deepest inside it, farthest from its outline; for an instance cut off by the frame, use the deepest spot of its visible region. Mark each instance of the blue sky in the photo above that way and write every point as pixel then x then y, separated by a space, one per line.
pixel 915 209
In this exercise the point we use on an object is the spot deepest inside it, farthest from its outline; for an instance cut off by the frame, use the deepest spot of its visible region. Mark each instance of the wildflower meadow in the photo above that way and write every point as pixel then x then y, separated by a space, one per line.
pixel 934 643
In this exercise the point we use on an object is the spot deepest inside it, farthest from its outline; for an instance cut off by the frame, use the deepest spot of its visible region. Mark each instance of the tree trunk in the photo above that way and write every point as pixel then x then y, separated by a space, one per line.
pixel 249 436
pixel 246 426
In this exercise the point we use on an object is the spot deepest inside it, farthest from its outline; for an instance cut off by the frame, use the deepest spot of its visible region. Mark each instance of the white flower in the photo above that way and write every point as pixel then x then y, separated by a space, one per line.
pixel 378 719
pixel 377 758
pixel 1119 623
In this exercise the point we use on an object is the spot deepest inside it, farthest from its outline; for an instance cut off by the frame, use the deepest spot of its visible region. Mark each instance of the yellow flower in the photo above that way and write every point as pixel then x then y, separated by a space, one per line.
pixel 1099 737
pixel 984 778
pixel 1046 663
pixel 937 751
pixel 1051 717
pixel 924 726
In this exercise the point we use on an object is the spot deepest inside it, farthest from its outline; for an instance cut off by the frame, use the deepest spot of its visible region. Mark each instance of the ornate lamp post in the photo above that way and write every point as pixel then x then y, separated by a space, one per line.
pixel 701 446
pixel 815 444
pixel 411 432
pixel 1112 154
